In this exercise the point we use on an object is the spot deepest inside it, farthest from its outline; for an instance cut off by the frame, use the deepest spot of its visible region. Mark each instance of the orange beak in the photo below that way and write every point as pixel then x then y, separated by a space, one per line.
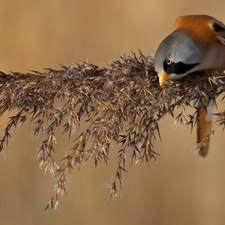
pixel 162 78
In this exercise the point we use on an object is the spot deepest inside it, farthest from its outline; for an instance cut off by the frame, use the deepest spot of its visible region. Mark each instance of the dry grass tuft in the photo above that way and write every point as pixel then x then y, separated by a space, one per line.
pixel 122 103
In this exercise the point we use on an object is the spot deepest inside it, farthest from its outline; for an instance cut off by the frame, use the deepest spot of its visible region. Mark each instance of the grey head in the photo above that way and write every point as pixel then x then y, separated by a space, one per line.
pixel 177 56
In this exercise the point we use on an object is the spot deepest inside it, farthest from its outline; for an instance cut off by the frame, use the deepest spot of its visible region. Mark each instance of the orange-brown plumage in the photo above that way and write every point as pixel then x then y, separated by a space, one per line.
pixel 199 29
pixel 204 128
pixel 197 42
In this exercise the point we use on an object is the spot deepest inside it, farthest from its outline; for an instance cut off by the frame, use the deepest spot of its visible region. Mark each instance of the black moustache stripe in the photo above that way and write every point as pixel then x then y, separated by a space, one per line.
pixel 178 68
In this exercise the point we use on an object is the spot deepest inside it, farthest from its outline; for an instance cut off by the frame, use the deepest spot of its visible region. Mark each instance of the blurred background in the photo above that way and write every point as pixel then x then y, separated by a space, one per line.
pixel 182 188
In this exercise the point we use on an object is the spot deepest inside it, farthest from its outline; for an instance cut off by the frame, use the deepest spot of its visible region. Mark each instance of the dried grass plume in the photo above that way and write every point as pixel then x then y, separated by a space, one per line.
pixel 122 103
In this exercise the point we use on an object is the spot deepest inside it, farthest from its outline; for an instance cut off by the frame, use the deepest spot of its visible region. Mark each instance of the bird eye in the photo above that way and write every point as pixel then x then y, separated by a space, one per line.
pixel 168 61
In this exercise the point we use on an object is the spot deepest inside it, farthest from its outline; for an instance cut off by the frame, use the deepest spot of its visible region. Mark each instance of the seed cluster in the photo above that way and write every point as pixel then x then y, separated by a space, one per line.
pixel 122 103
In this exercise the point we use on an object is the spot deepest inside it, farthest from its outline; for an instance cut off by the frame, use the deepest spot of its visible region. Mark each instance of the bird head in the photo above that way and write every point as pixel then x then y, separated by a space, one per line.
pixel 196 43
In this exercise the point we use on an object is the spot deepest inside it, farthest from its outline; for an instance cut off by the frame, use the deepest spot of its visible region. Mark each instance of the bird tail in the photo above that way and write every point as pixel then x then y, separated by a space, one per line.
pixel 204 127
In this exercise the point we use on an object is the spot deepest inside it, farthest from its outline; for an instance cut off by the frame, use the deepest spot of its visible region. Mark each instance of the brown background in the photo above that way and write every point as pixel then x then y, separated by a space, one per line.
pixel 182 188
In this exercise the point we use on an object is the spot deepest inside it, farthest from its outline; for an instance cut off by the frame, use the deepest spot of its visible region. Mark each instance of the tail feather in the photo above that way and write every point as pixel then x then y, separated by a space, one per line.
pixel 204 128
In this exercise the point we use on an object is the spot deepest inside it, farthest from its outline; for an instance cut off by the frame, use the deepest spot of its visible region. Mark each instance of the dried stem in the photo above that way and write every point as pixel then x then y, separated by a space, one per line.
pixel 122 103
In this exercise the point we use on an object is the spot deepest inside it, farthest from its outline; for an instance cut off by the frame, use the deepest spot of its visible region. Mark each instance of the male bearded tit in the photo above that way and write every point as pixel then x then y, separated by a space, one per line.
pixel 197 42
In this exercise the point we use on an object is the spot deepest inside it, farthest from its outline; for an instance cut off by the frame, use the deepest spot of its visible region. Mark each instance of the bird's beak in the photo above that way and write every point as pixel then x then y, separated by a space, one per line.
pixel 162 78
